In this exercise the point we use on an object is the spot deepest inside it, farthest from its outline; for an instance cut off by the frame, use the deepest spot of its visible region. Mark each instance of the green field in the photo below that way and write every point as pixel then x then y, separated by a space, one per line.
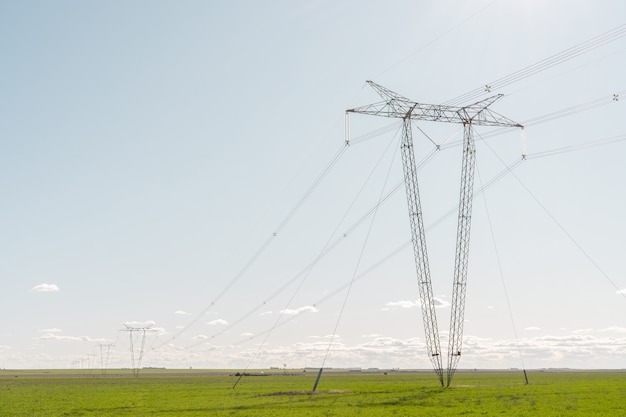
pixel 210 393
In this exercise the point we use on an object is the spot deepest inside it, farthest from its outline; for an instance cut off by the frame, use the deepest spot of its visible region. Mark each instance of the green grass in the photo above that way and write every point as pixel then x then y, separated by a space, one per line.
pixel 210 393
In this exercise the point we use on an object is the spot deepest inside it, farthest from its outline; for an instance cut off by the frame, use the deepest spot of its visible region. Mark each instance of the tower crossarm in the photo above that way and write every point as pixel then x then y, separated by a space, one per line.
pixel 397 106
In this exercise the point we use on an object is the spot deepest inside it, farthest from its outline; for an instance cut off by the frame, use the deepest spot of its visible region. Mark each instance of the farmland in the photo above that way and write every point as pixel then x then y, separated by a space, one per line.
pixel 279 393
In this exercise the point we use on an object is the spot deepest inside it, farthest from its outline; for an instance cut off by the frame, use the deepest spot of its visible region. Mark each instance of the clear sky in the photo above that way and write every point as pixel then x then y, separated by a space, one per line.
pixel 149 151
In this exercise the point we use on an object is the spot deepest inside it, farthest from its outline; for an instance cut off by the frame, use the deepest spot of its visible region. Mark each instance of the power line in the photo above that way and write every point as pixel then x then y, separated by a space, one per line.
pixel 548 117
pixel 353 279
pixel 356 224
pixel 560 226
pixel 318 180
pixel 572 148
pixel 546 63
pixel 536 120
pixel 509 168
pixel 397 250
pixel 501 273
pixel 568 111
pixel 307 271
pixel 441 35
pixel 375 133
pixel 328 247
pixel 352 227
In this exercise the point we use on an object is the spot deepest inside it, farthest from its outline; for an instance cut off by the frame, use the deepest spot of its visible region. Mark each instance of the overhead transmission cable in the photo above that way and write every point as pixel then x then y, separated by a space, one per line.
pixel 436 38
pixel 330 247
pixel 335 292
pixel 268 241
pixel 427 158
pixel 309 268
pixel 571 148
pixel 311 188
pixel 397 250
pixel 546 63
pixel 509 168
pixel 354 275
pixel 568 111
pixel 404 246
pixel 561 74
pixel 563 56
pixel 375 133
pixel 444 145
pixel 422 163
pixel 560 226
pixel 501 273
pixel 557 114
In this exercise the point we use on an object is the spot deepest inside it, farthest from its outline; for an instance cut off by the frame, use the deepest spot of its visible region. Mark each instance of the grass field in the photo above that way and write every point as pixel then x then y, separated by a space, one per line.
pixel 210 393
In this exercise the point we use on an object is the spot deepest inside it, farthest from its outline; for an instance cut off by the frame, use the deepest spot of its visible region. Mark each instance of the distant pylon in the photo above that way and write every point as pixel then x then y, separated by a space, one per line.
pixel 136 364
pixel 105 351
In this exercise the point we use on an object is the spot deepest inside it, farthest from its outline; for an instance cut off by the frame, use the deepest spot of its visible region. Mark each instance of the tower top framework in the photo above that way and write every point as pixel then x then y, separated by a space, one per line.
pixel 396 106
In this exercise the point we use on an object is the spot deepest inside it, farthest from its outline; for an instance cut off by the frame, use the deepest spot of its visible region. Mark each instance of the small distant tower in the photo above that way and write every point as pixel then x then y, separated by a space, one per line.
pixel 105 352
pixel 136 364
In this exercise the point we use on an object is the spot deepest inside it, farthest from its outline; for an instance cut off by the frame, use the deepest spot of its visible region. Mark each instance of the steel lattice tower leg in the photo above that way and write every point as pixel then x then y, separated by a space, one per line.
pixel 419 250
pixel 462 251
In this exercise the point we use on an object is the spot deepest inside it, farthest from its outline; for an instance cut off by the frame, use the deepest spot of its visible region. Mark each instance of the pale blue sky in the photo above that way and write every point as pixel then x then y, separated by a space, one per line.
pixel 148 149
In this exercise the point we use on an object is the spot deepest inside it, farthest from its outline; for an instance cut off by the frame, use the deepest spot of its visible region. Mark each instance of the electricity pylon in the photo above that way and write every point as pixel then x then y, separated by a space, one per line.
pixel 477 114
pixel 136 364
pixel 104 360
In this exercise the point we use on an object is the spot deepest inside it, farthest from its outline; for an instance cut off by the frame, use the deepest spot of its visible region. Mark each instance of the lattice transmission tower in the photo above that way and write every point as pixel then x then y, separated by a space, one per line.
pixel 137 357
pixel 396 106
pixel 105 352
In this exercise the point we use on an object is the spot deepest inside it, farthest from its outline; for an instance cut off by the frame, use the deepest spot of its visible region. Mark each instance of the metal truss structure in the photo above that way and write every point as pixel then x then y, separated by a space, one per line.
pixel 477 114
pixel 136 362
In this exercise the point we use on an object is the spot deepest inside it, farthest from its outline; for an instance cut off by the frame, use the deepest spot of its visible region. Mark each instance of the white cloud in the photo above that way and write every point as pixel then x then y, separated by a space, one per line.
pixel 218 322
pixel 388 342
pixel 54 336
pixel 266 313
pixel 440 302
pixel 51 330
pixel 582 331
pixel 622 291
pixel 614 329
pixel 45 288
pixel 182 313
pixel 564 340
pixel 403 304
pixel 293 312
pixel 392 305
pixel 566 350
pixel 139 324
pixel 246 334
pixel 159 331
